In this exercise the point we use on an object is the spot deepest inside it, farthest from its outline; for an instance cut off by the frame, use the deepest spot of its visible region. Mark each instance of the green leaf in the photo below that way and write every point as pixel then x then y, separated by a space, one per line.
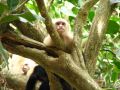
pixel 2 8
pixel 29 16
pixel 75 2
pixel 59 1
pixel 31 5
pixel 114 18
pixel 4 54
pixel 12 4
pixel 114 76
pixel 113 27
pixel 75 10
pixel 91 15
pixel 117 64
pixel 71 19
pixel 8 19
pixel 54 12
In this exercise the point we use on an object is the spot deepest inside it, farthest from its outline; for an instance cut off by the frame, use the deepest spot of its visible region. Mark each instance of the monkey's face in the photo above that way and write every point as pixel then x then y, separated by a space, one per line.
pixel 60 26
pixel 25 68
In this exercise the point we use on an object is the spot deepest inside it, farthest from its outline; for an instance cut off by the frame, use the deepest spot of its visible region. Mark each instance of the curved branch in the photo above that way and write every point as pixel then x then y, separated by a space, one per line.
pixel 97 33
pixel 48 22
pixel 29 31
pixel 8 35
pixel 23 40
pixel 69 71
pixel 79 24
pixel 39 56
pixel 81 18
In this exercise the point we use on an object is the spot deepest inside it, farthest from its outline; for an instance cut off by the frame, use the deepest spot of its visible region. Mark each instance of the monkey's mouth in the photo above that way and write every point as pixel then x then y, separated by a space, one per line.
pixel 61 29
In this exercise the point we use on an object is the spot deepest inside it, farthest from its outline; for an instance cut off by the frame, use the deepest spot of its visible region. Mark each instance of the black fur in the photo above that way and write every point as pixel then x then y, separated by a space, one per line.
pixel 40 74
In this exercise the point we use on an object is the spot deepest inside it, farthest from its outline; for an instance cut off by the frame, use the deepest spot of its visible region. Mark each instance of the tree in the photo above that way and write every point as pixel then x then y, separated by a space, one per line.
pixel 77 67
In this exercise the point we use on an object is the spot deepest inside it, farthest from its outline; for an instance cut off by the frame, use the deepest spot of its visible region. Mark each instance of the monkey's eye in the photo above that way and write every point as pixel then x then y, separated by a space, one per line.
pixel 60 23
pixel 57 23
pixel 25 64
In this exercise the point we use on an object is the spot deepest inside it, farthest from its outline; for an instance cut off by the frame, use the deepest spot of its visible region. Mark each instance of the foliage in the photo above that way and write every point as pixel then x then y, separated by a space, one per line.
pixel 3 57
pixel 109 57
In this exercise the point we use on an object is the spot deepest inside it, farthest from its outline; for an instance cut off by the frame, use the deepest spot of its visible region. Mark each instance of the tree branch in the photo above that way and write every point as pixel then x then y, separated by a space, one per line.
pixel 49 4
pixel 81 19
pixel 79 24
pixel 9 35
pixel 97 33
pixel 39 56
pixel 29 31
pixel 48 22
pixel 22 40
pixel 63 66
pixel 68 70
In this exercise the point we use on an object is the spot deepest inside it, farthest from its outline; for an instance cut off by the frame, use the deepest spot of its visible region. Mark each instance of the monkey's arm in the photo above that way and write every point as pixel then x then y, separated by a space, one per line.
pixel 31 82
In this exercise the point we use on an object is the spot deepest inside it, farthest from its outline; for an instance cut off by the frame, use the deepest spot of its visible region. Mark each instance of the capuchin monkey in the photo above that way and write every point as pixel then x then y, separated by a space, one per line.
pixel 39 74
pixel 63 29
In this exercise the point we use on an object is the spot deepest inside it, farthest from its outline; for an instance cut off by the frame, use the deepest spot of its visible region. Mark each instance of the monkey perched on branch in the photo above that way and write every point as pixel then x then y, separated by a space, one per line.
pixel 63 28
pixel 39 74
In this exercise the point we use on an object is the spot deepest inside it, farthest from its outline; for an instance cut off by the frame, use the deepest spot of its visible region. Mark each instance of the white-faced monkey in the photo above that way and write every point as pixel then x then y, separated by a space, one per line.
pixel 63 28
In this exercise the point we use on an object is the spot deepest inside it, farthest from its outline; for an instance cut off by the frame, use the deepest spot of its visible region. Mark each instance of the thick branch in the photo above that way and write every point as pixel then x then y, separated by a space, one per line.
pixel 20 39
pixel 81 18
pixel 82 80
pixel 63 67
pixel 54 82
pixel 79 24
pixel 38 56
pixel 97 33
pixel 73 74
pixel 29 31
pixel 8 35
pixel 48 22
